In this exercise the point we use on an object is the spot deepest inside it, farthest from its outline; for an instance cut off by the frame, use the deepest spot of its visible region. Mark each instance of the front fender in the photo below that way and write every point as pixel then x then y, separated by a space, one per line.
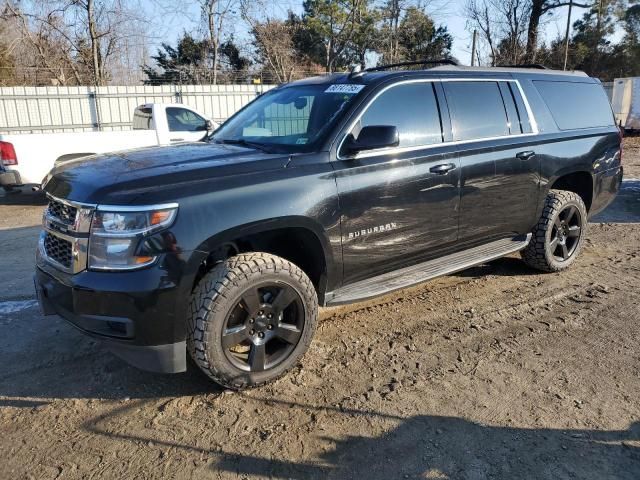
pixel 303 197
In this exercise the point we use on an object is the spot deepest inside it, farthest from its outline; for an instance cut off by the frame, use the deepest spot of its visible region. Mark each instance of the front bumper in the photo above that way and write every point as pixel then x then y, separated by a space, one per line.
pixel 10 178
pixel 139 315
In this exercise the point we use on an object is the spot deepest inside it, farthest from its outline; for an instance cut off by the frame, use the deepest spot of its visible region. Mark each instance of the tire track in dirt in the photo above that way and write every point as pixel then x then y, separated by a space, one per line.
pixel 579 346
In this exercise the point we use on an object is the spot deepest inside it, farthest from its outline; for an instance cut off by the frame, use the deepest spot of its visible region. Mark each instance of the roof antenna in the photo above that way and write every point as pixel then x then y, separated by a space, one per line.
pixel 356 71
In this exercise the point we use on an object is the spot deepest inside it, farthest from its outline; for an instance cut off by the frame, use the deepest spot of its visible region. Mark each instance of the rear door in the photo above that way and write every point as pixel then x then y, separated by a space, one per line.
pixel 499 167
pixel 398 204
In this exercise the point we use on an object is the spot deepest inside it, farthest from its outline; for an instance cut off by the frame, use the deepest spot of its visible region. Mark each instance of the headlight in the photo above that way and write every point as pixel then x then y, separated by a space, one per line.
pixel 115 235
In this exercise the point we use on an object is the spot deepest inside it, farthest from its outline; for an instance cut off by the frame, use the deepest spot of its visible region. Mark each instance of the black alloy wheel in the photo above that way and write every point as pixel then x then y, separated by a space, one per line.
pixel 264 327
pixel 251 319
pixel 565 233
pixel 558 237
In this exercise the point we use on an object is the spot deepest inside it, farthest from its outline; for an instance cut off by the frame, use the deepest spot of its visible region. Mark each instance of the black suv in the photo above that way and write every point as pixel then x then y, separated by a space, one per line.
pixel 324 191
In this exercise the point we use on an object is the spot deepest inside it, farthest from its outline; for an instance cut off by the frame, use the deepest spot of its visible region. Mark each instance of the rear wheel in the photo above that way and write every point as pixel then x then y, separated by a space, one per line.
pixel 252 318
pixel 559 235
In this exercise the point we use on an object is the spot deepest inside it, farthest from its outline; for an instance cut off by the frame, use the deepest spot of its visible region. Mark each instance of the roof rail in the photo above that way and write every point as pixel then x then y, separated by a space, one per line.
pixel 525 65
pixel 357 70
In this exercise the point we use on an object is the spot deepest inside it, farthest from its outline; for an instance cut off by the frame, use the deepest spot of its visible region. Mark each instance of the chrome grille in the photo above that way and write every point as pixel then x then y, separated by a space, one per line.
pixel 64 241
pixel 62 212
pixel 58 249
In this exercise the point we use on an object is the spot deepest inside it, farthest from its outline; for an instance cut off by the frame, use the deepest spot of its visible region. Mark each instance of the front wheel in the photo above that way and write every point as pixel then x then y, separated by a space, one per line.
pixel 251 320
pixel 559 235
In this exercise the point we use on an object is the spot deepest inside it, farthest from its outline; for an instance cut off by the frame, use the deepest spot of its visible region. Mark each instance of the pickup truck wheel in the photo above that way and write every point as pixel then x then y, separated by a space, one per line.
pixel 559 235
pixel 251 319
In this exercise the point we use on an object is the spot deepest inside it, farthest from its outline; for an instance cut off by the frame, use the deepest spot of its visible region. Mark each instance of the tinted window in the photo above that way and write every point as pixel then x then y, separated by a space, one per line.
pixel 291 118
pixel 576 105
pixel 282 119
pixel 412 108
pixel 183 120
pixel 477 110
pixel 142 119
pixel 523 114
pixel 510 106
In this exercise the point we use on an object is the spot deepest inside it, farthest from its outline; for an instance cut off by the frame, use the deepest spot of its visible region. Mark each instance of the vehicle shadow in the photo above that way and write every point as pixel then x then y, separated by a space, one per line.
pixel 503 267
pixel 423 446
pixel 88 371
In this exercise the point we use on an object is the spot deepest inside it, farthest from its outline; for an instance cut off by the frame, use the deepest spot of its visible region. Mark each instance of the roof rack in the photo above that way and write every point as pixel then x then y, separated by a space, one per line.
pixel 357 69
pixel 525 65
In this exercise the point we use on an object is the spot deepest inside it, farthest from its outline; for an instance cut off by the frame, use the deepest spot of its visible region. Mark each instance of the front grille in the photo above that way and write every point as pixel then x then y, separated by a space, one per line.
pixel 58 250
pixel 62 212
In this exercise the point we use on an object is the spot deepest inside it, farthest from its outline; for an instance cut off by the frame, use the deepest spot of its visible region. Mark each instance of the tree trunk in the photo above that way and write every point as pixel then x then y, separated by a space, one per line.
pixel 213 40
pixel 537 10
pixel 328 60
pixel 95 44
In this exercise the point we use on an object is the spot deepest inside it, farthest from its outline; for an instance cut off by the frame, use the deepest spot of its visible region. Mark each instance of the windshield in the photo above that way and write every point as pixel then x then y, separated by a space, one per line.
pixel 289 119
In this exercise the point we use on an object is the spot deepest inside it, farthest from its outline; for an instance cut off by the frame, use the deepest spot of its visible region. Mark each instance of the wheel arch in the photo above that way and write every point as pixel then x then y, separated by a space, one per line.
pixel 580 182
pixel 297 239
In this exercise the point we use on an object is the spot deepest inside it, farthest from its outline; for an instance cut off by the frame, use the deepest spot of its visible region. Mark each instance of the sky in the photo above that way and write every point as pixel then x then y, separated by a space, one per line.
pixel 450 13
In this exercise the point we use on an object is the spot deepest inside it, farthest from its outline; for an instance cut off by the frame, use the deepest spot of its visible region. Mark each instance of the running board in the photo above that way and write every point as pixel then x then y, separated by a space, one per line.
pixel 408 276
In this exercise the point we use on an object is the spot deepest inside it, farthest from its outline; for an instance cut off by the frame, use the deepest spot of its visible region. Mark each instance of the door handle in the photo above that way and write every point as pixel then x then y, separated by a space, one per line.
pixel 525 155
pixel 442 169
pixel 177 139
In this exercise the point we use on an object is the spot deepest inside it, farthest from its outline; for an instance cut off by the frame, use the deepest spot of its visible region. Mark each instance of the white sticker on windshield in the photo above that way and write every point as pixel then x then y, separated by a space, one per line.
pixel 349 88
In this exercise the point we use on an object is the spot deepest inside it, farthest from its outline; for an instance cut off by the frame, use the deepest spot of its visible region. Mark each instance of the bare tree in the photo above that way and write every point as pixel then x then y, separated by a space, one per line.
pixel 538 9
pixel 83 34
pixel 480 16
pixel 502 24
pixel 273 40
pixel 215 13
pixel 42 44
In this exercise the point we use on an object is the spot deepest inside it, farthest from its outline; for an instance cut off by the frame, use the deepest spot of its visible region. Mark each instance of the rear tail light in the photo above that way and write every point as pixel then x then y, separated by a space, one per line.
pixel 8 154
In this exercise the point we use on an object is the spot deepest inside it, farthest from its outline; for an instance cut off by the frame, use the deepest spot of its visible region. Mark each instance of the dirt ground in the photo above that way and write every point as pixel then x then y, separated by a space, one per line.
pixel 496 372
pixel 631 157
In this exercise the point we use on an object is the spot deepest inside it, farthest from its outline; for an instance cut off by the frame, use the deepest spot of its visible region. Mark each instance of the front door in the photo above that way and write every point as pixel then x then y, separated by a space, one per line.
pixel 185 125
pixel 398 204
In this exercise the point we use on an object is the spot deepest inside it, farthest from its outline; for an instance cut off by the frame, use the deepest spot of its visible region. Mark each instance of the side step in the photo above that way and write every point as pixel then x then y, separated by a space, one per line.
pixel 408 276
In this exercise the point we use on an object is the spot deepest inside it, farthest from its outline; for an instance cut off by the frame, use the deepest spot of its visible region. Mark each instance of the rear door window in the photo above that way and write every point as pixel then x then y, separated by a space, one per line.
pixel 477 110
pixel 576 105
pixel 410 107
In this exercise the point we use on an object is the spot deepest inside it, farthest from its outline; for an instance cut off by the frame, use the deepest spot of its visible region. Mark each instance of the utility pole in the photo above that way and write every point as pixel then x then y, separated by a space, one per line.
pixel 566 44
pixel 473 47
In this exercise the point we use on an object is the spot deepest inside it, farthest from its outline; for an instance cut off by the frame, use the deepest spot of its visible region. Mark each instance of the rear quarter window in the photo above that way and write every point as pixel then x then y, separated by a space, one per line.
pixel 142 118
pixel 576 105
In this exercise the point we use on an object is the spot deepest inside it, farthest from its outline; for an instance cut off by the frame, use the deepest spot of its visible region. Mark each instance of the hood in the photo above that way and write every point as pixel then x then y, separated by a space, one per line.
pixel 120 177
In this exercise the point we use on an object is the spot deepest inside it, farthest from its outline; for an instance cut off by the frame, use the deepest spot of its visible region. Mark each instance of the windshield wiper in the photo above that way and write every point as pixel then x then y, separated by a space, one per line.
pixel 245 143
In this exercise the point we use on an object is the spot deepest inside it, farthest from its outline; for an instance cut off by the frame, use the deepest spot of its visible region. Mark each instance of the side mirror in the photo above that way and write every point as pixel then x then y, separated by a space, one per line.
pixel 208 124
pixel 371 138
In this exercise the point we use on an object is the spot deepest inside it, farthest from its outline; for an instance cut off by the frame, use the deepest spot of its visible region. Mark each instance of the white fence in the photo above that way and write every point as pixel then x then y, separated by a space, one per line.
pixel 82 109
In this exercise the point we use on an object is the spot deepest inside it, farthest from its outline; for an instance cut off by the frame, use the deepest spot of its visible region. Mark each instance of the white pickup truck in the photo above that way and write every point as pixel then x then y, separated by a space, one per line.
pixel 25 159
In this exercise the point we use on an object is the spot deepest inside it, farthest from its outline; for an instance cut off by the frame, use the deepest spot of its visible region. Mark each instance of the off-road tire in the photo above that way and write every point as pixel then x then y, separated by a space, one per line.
pixel 219 291
pixel 538 253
